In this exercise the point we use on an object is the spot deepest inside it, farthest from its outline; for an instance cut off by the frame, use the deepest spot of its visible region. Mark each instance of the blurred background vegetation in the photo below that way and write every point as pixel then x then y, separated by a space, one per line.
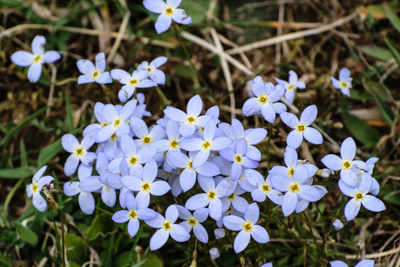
pixel 313 37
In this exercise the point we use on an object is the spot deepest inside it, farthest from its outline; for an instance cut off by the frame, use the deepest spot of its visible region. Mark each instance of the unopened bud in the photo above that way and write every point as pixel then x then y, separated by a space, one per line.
pixel 337 224
pixel 139 249
pixel 219 233
pixel 214 253
pixel 324 173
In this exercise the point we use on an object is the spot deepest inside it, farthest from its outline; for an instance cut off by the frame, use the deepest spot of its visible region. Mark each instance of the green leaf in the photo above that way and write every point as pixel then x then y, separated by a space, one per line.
pixel 377 52
pixel 386 112
pixel 49 152
pixel 76 248
pixel 394 19
pixel 101 225
pixel 197 9
pixel 69 122
pixel 361 130
pixel 151 260
pixel 27 234
pixel 391 195
pixel 21 125
pixel 18 173
pixel 393 49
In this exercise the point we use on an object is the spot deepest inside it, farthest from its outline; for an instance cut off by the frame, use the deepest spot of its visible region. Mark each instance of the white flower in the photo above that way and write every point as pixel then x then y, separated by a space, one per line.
pixel 93 73
pixel 33 189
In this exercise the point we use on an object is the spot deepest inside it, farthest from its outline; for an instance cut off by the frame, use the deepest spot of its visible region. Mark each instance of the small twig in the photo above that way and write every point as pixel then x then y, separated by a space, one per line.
pixel 294 35
pixel 52 85
pixel 23 27
pixel 376 255
pixel 121 33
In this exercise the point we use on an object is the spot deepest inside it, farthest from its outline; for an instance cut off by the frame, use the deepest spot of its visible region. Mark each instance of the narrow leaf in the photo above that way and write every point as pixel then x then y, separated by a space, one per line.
pixel 18 173
pixel 393 49
pixel 27 234
pixel 361 130
pixel 49 152
pixel 377 52
pixel 394 19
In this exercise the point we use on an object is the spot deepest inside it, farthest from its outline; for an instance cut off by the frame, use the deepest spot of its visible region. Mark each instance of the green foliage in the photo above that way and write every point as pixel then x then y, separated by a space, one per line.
pixel 361 130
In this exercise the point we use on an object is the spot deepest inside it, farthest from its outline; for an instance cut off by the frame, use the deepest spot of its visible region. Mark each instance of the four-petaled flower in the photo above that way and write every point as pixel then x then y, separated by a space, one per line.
pixel 35 59
pixel 344 82
pixel 33 190
pixel 291 86
pixel 93 73
pixel 138 79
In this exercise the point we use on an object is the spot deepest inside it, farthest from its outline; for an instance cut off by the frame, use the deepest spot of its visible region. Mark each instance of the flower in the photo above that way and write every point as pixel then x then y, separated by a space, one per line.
pixel 33 189
pixel 344 82
pixel 36 59
pixel 168 11
pixel 85 199
pixel 153 72
pixel 265 100
pixel 135 210
pixel 211 197
pixel 360 197
pixel 238 157
pixel 192 221
pixel 79 153
pixel 167 227
pixel 190 120
pixel 138 79
pixel 291 86
pixel 301 128
pixel 145 184
pixel 146 137
pixel 247 228
pixel 93 73
pixel 345 163
pixel 263 188
pixel 208 142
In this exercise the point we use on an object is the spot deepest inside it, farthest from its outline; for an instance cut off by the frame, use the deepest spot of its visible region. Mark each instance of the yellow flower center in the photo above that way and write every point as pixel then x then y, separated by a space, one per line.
pixel 265 188
pixel 238 159
pixel 146 140
pixel 117 123
pixel 189 165
pixel 79 152
pixel 167 226
pixel 104 124
pixel 343 84
pixel 37 59
pixel 206 145
pixel 192 221
pixel 113 137
pixel 212 195
pixel 248 226
pixel 191 119
pixel 290 172
pixel 35 187
pixel 150 69
pixel 133 214
pixel 301 127
pixel 359 196
pixel 290 86
pixel 95 74
pixel 169 11
pixel 231 196
pixel 133 82
pixel 294 187
pixel 133 160
pixel 173 144
pixel 146 186
pixel 346 164
pixel 262 99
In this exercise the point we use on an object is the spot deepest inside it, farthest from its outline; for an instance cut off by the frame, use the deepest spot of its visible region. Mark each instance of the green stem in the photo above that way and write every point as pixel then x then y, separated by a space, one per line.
pixel 65 81
pixel 161 94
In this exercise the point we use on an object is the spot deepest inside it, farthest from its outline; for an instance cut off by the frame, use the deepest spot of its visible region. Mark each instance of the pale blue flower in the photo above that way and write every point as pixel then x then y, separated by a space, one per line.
pixel 263 188
pixel 135 210
pixel 145 184
pixel 362 263
pixel 360 197
pixel 208 142
pixel 153 72
pixel 33 190
pixel 265 100
pixel 173 138
pixel 247 228
pixel 167 227
pixel 35 59
pixel 291 86
pixel 168 11
pixel 115 120
pixel 146 137
pixel 85 199
pixel 293 169
pixel 138 79
pixel 235 201
pixel 268 264
pixel 193 221
pixel 211 197
pixel 238 156
pixel 187 178
pixel 344 82
pixel 190 120
pixel 93 73
pixel 140 110
pixel 345 163
pixel 301 127
pixel 79 153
